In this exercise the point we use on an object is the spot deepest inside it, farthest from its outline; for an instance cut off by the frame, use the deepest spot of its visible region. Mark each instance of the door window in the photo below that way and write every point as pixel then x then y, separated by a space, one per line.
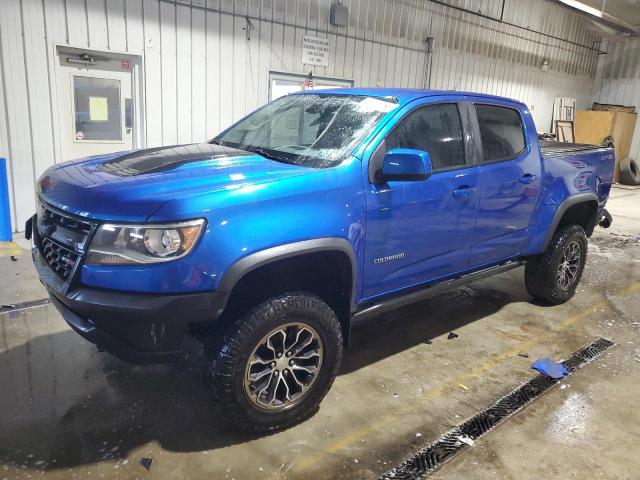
pixel 97 109
pixel 501 131
pixel 436 129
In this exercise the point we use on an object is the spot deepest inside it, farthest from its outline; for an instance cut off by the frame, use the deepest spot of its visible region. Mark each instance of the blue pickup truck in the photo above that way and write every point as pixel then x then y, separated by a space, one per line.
pixel 318 208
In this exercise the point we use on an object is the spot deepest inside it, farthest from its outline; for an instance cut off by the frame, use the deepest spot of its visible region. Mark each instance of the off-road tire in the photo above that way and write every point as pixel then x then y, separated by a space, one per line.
pixel 541 271
pixel 227 355
pixel 629 172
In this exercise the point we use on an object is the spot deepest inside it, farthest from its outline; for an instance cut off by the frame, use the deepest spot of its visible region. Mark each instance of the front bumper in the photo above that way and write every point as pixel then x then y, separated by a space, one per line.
pixel 138 328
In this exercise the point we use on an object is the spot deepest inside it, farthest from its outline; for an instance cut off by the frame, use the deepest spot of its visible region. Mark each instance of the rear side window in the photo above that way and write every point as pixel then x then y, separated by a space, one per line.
pixel 501 131
pixel 436 129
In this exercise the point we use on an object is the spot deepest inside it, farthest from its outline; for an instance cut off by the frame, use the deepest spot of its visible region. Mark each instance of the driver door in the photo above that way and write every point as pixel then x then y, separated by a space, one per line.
pixel 421 231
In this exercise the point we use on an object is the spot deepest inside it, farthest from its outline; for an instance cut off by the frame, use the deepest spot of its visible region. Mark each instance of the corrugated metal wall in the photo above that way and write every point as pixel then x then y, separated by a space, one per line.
pixel 203 69
pixel 618 81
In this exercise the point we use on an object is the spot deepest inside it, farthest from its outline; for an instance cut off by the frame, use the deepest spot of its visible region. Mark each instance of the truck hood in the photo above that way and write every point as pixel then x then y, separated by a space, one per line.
pixel 131 186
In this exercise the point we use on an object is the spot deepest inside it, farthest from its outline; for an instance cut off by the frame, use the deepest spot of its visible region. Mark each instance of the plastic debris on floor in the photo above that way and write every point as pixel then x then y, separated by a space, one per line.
pixel 550 368
pixel 466 440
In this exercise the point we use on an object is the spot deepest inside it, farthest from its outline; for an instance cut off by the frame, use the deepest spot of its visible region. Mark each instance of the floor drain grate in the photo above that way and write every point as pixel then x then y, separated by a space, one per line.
pixel 432 457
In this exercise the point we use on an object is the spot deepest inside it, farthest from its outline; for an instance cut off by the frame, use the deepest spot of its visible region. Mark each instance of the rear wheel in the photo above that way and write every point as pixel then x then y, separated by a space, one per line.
pixel 272 367
pixel 553 276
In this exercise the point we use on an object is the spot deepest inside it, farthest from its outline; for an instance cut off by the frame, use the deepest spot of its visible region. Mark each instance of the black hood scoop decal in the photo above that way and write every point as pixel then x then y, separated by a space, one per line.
pixel 159 159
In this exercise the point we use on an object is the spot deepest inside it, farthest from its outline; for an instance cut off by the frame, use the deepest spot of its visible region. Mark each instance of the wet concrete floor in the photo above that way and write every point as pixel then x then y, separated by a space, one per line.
pixel 68 411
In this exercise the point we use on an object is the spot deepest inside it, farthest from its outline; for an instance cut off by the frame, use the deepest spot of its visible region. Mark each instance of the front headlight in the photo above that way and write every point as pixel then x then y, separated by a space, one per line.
pixel 133 244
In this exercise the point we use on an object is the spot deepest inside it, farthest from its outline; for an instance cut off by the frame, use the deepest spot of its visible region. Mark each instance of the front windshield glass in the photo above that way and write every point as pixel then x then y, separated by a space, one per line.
pixel 313 130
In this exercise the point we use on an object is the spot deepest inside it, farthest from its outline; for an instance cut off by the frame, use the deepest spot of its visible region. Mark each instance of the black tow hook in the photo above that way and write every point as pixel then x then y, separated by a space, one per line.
pixel 606 219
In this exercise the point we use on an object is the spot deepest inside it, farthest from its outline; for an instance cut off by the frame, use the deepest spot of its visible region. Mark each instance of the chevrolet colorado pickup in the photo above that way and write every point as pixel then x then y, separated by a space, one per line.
pixel 320 207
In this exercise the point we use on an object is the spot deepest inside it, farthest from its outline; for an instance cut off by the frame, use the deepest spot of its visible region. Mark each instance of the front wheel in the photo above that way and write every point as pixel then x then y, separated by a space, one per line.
pixel 553 276
pixel 273 366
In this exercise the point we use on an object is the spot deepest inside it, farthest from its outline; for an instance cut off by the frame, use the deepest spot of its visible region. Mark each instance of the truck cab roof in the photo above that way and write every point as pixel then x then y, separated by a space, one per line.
pixel 404 95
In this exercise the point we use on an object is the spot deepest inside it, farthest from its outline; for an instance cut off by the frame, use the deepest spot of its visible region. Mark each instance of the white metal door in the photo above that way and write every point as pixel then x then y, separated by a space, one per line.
pixel 94 104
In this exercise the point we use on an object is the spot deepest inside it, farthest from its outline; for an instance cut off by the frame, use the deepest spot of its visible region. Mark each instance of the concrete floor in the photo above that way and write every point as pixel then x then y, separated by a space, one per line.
pixel 67 411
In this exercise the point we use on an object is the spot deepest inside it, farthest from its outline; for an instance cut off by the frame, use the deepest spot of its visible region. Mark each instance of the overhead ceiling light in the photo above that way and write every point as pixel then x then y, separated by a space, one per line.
pixel 582 7
pixel 624 23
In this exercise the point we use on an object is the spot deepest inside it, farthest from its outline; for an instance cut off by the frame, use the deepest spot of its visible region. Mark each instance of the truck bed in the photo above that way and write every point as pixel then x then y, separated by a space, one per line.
pixel 550 148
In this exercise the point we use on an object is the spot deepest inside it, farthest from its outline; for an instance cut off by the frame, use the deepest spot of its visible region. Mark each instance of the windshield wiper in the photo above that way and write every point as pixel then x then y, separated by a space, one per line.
pixel 217 142
pixel 264 153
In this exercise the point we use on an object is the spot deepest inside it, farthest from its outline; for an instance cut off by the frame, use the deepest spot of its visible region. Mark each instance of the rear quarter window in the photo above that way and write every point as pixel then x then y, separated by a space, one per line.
pixel 501 132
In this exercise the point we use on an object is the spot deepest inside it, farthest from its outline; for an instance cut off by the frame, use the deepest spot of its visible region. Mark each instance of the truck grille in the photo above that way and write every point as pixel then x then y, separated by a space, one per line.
pixel 59 258
pixel 51 217
pixel 61 239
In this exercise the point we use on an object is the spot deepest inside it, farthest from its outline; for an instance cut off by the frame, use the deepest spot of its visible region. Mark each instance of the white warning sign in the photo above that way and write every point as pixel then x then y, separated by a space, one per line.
pixel 315 51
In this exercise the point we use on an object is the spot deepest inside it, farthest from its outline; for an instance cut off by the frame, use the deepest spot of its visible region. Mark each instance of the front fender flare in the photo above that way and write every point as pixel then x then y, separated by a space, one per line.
pixel 263 257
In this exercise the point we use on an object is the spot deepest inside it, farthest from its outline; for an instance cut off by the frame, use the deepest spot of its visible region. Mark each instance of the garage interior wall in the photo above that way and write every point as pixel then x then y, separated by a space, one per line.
pixel 618 81
pixel 206 62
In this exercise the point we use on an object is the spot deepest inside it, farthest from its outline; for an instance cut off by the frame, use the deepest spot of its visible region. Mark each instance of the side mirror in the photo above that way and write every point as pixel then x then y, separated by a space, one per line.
pixel 405 165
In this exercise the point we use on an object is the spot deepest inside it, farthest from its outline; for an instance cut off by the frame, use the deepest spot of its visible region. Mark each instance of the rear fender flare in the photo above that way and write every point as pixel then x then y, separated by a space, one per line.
pixel 562 208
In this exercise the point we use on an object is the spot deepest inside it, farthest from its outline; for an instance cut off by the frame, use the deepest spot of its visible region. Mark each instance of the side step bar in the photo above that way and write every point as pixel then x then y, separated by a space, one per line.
pixel 396 301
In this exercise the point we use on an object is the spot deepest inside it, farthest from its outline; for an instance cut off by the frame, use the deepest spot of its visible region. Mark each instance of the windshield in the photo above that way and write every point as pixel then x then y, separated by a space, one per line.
pixel 312 130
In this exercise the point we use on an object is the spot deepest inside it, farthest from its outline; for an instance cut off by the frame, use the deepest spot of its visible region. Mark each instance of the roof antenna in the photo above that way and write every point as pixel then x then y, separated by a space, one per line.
pixel 455 87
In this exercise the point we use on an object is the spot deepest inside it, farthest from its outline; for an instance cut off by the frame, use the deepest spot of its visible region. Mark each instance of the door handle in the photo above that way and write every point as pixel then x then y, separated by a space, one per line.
pixel 463 192
pixel 527 178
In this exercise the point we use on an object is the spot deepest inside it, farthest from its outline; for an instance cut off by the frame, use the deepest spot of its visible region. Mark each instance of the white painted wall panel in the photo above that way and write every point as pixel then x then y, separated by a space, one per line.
pixel 169 77
pixel 117 24
pixel 135 25
pixel 214 73
pixel 203 69
pixel 18 116
pixel 183 73
pixel 198 76
pixel 5 148
pixel 260 47
pixel 152 73
pixel 76 23
pixel 238 68
pixel 56 23
pixel 226 68
pixel 38 87
pixel 97 24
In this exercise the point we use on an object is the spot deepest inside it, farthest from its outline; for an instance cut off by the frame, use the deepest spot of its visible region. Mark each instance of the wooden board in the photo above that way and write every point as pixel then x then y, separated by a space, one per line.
pixel 624 125
pixel 593 127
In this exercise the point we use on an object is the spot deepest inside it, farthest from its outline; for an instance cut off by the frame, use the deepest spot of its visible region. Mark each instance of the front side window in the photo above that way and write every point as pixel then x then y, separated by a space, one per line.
pixel 314 130
pixel 501 131
pixel 436 129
